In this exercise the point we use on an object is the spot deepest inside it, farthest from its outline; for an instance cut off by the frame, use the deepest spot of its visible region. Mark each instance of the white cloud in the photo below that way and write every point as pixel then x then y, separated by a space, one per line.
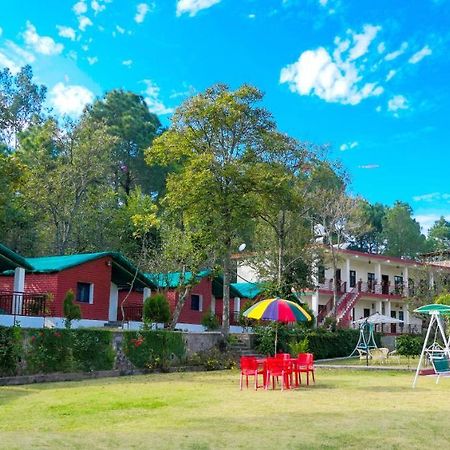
pixel 381 47
pixel 1 31
pixel 426 51
pixel 7 62
pixel 127 62
pixel 396 103
pixel 192 7
pixel 70 99
pixel 141 11
pixel 120 29
pixel 24 56
pixel 252 16
pixel 84 22
pixel 41 44
pixel 348 146
pixel 434 196
pixel 154 103
pixel 369 166
pixel 97 6
pixel 394 55
pixel 391 74
pixel 92 60
pixel 66 32
pixel 334 77
pixel 80 8
pixel 362 41
pixel 378 108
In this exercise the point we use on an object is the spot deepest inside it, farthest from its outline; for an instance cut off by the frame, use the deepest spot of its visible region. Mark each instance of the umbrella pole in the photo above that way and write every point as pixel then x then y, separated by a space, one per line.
pixel 276 337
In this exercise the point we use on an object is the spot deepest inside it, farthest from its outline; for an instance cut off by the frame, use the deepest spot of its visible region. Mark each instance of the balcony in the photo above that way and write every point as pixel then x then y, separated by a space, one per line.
pixel 22 304
pixel 370 287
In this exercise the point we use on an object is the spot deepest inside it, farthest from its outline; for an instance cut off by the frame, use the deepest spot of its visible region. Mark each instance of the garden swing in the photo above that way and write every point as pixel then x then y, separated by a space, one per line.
pixel 366 339
pixel 437 354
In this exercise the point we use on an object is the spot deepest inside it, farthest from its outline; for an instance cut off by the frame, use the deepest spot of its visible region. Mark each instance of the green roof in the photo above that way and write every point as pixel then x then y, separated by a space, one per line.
pixel 247 290
pixel 9 260
pixel 176 279
pixel 434 308
pixel 123 270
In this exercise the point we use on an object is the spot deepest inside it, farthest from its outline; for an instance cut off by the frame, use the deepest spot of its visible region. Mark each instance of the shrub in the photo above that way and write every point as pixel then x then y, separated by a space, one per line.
pixel 156 309
pixel 92 350
pixel 71 311
pixel 153 349
pixel 297 347
pixel 210 322
pixel 10 350
pixel 50 351
pixel 409 345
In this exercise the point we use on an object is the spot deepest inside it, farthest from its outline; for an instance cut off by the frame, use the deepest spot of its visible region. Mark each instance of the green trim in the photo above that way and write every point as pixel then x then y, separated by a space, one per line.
pixel 172 280
pixel 434 308
pixel 247 290
pixel 123 270
pixel 10 260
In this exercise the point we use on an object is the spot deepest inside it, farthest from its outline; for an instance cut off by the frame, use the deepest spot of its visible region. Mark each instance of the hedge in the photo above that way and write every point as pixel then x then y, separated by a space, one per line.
pixel 151 349
pixel 10 350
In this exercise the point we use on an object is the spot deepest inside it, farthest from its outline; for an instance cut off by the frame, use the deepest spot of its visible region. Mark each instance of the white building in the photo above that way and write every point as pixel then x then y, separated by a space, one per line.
pixel 367 283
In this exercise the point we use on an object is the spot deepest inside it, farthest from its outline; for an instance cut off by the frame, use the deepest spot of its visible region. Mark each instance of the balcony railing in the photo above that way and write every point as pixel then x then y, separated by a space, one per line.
pixel 23 304
pixel 234 318
pixel 131 313
pixel 370 287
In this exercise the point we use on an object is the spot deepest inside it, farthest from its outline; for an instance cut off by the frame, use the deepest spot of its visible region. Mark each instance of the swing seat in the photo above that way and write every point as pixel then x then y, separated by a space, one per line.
pixel 441 366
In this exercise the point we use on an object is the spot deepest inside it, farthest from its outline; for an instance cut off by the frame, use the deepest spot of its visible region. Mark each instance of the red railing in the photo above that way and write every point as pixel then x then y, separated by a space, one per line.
pixel 234 318
pixel 370 287
pixel 131 312
pixel 23 304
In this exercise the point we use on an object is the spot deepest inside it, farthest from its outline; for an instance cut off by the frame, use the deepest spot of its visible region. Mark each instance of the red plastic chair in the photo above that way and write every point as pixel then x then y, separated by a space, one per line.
pixel 250 368
pixel 275 368
pixel 283 356
pixel 304 364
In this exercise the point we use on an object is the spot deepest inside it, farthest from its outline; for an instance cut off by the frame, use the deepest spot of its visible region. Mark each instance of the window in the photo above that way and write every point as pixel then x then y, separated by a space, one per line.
pixel 85 292
pixel 196 302
pixel 366 312
pixel 371 282
pixel 398 284
pixel 352 278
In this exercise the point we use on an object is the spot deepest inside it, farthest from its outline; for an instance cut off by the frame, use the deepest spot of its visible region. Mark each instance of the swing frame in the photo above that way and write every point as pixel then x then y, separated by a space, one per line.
pixel 436 312
pixel 365 341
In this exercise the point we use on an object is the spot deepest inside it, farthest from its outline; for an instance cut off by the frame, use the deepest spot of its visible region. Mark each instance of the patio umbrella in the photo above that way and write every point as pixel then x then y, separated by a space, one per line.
pixel 277 310
pixel 378 318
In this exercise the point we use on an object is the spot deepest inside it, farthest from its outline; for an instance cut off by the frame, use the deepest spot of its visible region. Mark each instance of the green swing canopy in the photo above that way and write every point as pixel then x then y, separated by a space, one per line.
pixel 434 308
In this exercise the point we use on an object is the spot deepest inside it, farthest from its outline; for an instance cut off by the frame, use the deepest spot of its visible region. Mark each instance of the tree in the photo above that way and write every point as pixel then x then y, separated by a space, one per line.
pixel 401 232
pixel 214 139
pixel 439 235
pixel 372 215
pixel 337 220
pixel 71 311
pixel 64 168
pixel 133 127
pixel 20 103
pixel 156 309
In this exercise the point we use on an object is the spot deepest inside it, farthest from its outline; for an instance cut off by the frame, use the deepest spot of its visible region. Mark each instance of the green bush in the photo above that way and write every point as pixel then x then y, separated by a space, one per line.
pixel 50 351
pixel 409 345
pixel 92 350
pixel 71 311
pixel 156 309
pixel 210 322
pixel 153 349
pixel 297 347
pixel 10 350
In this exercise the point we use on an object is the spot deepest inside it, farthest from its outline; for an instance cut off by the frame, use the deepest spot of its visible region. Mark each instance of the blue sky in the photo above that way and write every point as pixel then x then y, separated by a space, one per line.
pixel 370 79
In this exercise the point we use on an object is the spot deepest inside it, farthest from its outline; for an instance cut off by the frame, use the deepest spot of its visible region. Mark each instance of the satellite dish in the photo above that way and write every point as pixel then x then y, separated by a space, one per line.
pixel 241 248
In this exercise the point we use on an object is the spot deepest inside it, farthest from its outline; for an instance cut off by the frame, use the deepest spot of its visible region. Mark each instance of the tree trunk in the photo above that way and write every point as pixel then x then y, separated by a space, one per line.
pixel 178 307
pixel 226 294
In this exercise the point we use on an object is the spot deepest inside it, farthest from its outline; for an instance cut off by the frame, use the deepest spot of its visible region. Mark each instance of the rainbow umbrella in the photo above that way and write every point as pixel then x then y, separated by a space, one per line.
pixel 277 310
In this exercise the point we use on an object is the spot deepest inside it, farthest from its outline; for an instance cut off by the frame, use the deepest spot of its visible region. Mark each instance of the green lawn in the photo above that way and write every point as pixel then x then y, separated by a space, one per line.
pixel 395 362
pixel 346 409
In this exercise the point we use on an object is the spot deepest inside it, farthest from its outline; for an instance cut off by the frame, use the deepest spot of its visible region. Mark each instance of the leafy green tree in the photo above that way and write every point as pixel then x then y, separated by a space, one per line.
pixel 401 232
pixel 21 103
pixel 71 311
pixel 133 127
pixel 64 168
pixel 439 235
pixel 372 215
pixel 214 139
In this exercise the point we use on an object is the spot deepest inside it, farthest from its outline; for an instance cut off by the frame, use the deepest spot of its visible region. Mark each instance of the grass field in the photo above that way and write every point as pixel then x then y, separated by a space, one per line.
pixel 346 409
pixel 395 362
